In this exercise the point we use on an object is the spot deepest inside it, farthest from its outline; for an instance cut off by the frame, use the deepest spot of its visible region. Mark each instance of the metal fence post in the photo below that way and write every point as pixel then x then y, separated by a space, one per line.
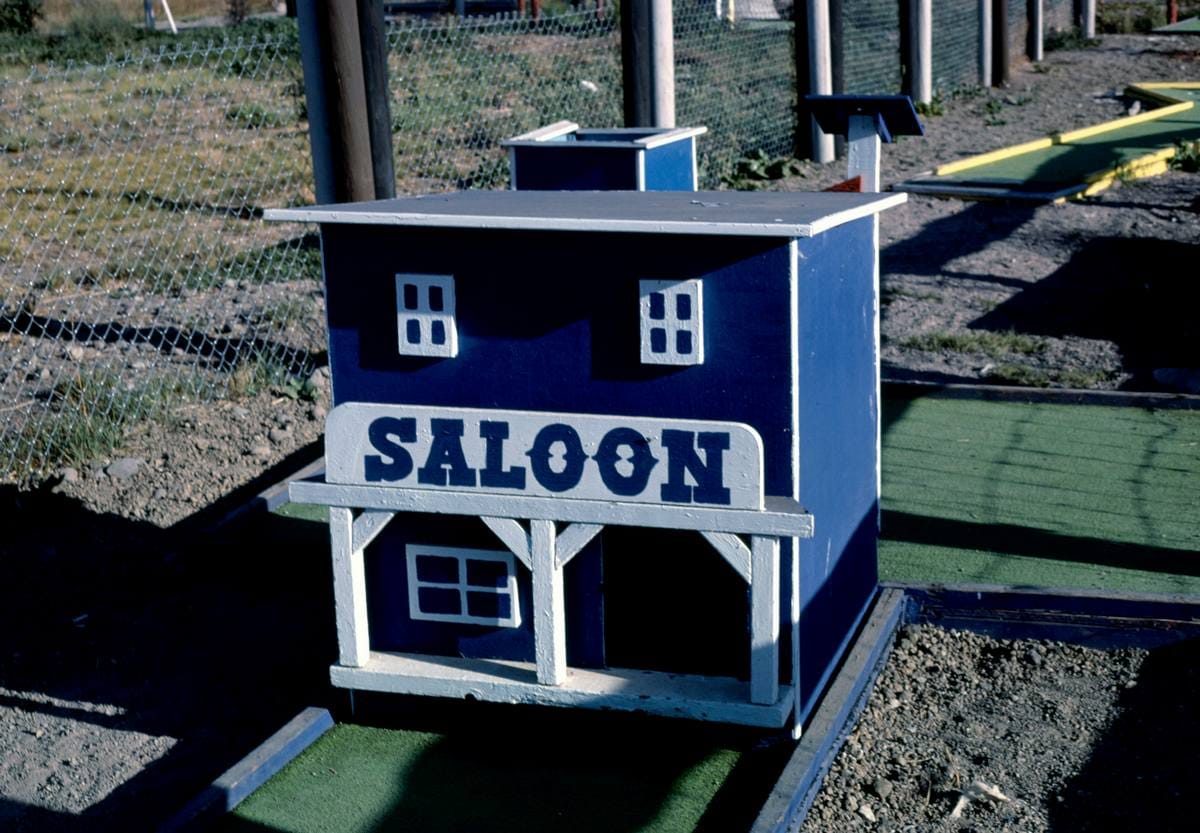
pixel 1000 45
pixel 1036 30
pixel 920 50
pixel 820 72
pixel 648 63
pixel 1089 18
pixel 985 43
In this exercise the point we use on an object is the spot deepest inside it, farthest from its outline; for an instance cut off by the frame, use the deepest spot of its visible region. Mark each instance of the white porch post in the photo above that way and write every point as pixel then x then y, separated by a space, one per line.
pixel 764 619
pixel 549 606
pixel 863 152
pixel 349 589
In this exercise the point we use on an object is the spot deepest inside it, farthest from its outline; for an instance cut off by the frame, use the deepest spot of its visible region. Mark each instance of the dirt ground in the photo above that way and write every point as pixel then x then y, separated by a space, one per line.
pixel 1069 738
pixel 144 652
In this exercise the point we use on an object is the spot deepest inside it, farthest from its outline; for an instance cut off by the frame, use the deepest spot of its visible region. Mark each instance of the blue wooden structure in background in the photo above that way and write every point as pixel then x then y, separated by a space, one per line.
pixel 541 296
pixel 564 157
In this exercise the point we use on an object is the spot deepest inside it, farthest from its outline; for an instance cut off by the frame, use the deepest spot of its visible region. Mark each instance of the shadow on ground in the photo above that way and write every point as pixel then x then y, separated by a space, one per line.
pixel 212 639
pixel 1142 773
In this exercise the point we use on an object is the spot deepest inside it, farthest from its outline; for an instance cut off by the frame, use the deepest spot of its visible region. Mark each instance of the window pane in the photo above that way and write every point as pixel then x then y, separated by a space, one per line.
pixel 436 303
pixel 658 306
pixel 438 569
pixel 683 342
pixel 658 340
pixel 413 331
pixel 489 605
pixel 437 332
pixel 683 306
pixel 486 573
pixel 439 600
pixel 410 296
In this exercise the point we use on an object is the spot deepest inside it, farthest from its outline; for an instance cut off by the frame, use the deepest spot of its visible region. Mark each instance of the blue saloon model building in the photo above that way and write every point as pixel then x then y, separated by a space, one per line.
pixel 610 450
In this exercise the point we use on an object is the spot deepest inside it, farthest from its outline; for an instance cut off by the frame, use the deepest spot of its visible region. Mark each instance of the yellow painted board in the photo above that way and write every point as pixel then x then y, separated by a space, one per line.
pixel 993 156
pixel 1117 124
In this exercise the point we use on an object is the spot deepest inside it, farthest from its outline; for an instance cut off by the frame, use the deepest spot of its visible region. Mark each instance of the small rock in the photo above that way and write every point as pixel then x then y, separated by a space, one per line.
pixel 882 787
pixel 260 450
pixel 124 468
pixel 866 812
pixel 279 435
pixel 75 353
pixel 317 413
pixel 159 493
pixel 69 475
pixel 238 412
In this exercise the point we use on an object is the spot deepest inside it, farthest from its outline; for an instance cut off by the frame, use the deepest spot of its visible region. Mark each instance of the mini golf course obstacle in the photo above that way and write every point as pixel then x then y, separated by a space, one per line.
pixel 554 393
pixel 564 157
pixel 865 121
pixel 1077 163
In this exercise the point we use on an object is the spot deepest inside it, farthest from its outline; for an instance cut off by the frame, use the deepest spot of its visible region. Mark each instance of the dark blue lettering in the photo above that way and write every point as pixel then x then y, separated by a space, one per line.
pixel 398 464
pixel 608 454
pixel 446 462
pixel 573 458
pixel 708 473
pixel 493 475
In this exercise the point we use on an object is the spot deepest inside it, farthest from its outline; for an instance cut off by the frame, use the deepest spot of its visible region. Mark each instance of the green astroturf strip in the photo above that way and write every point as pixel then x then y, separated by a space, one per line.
pixel 1057 167
pixel 1049 495
pixel 1191 26
pixel 599 777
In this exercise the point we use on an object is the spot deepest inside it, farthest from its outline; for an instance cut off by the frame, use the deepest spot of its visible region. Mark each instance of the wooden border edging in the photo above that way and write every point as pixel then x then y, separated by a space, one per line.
pixel 797 786
pixel 904 389
pixel 251 772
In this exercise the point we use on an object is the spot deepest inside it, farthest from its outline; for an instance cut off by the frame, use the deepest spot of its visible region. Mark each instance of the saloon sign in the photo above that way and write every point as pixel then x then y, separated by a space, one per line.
pixel 580 456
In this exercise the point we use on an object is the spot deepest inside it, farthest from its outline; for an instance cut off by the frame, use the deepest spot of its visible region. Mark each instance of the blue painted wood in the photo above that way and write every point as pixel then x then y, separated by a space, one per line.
pixel 603 160
pixel 671 167
pixel 250 773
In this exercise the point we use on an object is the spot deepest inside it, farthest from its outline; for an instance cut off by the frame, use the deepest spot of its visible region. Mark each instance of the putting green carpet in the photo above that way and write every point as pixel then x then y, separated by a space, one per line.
pixel 1191 26
pixel 1074 163
pixel 1040 494
pixel 594 775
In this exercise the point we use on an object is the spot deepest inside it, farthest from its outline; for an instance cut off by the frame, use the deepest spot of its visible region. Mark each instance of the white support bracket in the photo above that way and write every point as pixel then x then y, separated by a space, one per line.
pixel 367 525
pixel 572 540
pixel 514 536
pixel 733 549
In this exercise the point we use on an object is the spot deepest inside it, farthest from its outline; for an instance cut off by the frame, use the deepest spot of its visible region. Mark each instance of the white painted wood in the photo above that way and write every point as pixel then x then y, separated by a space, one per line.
pixel 922 48
pixel 1089 18
pixel 514 537
pixel 794 621
pixel 1037 30
pixel 794 548
pixel 610 456
pixel 666 137
pixel 721 699
pixel 764 620
pixel 367 525
pixel 640 172
pixel 544 134
pixel 549 607
pixel 780 516
pixel 733 549
pixel 820 72
pixel 425 319
pixel 462 586
pixel 729 213
pixel 620 138
pixel 670 294
pixel 572 540
pixel 662 64
pixel 349 589
pixel 170 18
pixel 985 43
pixel 862 146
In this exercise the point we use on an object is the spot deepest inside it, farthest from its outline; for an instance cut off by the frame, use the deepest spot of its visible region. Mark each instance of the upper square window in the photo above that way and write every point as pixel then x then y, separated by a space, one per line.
pixel 672 322
pixel 425 316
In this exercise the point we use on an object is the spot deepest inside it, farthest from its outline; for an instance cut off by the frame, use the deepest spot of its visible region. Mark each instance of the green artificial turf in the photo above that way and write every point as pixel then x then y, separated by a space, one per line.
pixel 1191 26
pixel 1041 494
pixel 606 774
pixel 1057 167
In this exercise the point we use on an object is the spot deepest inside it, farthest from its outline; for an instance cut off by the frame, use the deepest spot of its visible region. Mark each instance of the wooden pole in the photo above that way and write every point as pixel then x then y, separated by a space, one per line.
pixel 802 141
pixel 148 12
pixel 985 43
pixel 373 43
pixel 339 133
pixel 1036 39
pixel 923 81
pixel 820 72
pixel 1172 11
pixel 648 63
pixel 1000 45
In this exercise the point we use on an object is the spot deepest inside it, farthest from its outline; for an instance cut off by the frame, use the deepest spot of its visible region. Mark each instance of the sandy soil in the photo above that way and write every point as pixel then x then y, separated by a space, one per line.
pixel 144 652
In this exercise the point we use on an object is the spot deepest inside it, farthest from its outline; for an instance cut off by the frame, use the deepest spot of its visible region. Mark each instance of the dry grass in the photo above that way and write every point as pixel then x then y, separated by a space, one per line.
pixel 58 13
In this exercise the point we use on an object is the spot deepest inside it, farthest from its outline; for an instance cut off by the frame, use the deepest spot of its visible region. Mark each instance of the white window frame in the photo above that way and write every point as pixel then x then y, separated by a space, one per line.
pixel 414 551
pixel 425 317
pixel 670 324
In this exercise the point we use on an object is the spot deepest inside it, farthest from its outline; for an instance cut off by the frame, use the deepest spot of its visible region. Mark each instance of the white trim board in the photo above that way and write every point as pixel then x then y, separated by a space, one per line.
pixel 728 213
pixel 721 699
pixel 781 517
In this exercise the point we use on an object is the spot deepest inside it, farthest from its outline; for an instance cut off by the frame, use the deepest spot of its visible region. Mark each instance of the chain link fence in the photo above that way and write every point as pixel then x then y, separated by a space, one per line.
pixel 135 271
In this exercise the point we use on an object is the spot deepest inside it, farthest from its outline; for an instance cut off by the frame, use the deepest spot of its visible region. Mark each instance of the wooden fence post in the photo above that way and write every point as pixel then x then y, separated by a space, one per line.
pixel 648 63
pixel 985 43
pixel 820 72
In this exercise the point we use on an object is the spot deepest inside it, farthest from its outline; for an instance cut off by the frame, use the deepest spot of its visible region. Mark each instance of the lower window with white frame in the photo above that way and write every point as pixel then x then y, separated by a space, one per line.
pixel 466 586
